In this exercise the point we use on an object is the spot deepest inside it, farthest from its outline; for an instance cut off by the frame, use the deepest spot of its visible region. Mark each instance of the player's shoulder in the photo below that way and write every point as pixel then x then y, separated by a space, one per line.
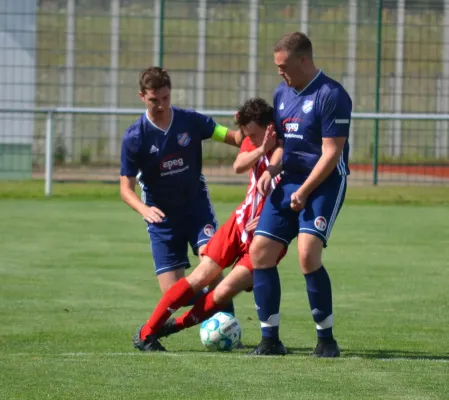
pixel 331 88
pixel 133 135
pixel 184 112
pixel 282 87
pixel 247 145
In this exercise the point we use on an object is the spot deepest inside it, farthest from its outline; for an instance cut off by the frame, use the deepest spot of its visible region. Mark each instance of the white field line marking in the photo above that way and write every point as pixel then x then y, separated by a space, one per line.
pixel 204 354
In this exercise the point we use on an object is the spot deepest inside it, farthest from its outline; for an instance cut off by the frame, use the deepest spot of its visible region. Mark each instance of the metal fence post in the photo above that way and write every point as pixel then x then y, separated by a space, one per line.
pixel 377 98
pixel 114 79
pixel 49 154
pixel 161 34
pixel 201 54
pixel 158 33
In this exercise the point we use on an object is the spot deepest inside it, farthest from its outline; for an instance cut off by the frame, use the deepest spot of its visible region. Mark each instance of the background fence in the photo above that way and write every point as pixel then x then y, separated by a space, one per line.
pixel 392 56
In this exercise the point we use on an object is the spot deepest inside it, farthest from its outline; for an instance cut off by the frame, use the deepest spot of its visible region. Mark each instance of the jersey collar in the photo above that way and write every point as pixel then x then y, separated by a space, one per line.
pixel 155 126
pixel 297 93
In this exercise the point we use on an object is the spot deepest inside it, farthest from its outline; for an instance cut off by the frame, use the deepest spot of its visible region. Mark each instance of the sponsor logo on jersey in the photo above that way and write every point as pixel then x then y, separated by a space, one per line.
pixel 291 127
pixel 307 106
pixel 172 164
pixel 183 139
pixel 209 230
pixel 168 165
pixel 320 223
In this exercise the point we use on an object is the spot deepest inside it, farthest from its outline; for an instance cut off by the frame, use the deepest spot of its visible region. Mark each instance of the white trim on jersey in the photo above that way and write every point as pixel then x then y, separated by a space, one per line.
pixel 341 166
pixel 336 207
pixel 313 80
pixel 143 195
pixel 154 125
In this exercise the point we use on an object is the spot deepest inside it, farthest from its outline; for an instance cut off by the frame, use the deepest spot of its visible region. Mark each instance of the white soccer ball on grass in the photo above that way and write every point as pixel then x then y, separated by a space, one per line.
pixel 221 332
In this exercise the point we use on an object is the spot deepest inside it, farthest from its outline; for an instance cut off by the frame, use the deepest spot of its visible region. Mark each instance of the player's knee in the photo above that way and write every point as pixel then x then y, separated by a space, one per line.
pixel 309 259
pixel 204 274
pixel 263 254
pixel 310 248
pixel 223 293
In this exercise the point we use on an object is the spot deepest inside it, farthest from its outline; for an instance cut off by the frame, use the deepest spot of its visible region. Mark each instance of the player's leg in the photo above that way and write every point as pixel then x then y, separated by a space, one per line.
pixel 170 253
pixel 169 278
pixel 179 293
pixel 169 249
pixel 202 226
pixel 316 222
pixel 239 279
pixel 276 228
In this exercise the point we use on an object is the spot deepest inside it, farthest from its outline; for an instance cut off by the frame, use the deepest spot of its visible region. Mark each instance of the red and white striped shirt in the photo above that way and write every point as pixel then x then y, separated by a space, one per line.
pixel 252 206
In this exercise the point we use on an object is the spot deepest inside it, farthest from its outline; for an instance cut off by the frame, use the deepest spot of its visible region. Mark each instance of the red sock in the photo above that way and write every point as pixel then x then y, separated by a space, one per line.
pixel 203 309
pixel 175 297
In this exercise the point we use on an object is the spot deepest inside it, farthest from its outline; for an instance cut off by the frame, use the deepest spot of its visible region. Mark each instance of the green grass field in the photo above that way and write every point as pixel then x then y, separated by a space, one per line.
pixel 77 279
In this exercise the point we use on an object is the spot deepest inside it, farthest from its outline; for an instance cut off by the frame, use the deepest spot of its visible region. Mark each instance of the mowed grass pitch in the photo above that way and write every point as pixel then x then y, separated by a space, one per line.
pixel 77 280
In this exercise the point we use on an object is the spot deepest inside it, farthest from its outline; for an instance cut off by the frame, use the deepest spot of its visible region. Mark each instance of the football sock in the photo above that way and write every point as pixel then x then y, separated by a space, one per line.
pixel 267 295
pixel 174 298
pixel 193 300
pixel 320 299
pixel 203 309
pixel 229 308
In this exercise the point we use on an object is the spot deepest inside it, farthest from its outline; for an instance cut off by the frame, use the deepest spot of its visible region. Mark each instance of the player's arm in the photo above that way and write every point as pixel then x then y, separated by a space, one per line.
pixel 335 124
pixel 208 128
pixel 275 167
pixel 247 159
pixel 130 197
pixel 264 186
pixel 128 173
pixel 228 136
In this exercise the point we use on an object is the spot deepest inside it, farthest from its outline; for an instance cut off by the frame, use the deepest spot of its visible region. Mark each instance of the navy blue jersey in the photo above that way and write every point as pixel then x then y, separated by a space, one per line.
pixel 321 110
pixel 168 162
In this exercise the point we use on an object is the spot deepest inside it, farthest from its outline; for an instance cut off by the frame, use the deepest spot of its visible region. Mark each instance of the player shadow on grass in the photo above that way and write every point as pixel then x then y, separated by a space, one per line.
pixel 386 354
pixel 372 354
pixel 381 354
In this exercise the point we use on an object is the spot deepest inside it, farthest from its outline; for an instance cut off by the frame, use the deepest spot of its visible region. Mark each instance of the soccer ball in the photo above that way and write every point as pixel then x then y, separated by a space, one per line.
pixel 221 332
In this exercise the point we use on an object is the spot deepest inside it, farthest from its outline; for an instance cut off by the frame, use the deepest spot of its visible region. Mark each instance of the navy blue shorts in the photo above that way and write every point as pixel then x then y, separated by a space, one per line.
pixel 279 222
pixel 170 238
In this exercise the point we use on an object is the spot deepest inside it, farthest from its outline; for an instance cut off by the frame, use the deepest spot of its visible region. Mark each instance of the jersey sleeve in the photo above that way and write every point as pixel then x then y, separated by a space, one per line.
pixel 336 114
pixel 129 155
pixel 204 125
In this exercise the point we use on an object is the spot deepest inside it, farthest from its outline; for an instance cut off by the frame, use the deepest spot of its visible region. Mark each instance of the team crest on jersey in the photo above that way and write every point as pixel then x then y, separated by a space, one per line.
pixel 307 106
pixel 183 139
pixel 320 223
pixel 209 230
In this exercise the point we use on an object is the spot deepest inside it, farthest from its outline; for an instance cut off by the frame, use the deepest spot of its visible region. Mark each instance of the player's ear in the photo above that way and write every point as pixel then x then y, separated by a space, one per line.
pixel 141 95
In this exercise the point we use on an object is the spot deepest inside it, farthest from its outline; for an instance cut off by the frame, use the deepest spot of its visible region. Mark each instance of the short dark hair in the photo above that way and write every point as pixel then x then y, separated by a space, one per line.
pixel 255 110
pixel 154 78
pixel 295 43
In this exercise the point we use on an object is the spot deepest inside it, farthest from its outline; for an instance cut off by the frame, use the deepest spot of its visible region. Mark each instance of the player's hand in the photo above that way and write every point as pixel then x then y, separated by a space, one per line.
pixel 153 215
pixel 264 184
pixel 269 140
pixel 251 225
pixel 297 201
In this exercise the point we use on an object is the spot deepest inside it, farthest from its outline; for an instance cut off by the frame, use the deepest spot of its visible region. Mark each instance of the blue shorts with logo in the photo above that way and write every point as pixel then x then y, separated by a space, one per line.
pixel 194 225
pixel 279 222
